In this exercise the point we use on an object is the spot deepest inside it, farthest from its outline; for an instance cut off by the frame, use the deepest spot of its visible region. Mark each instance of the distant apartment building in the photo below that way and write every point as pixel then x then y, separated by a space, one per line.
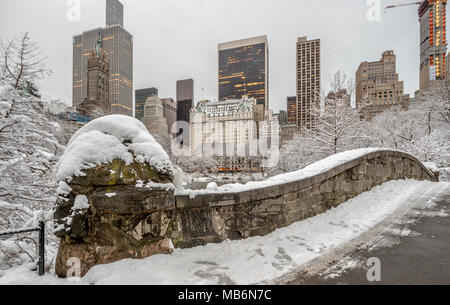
pixel 96 104
pixel 378 86
pixel 341 97
pixel 169 112
pixel 244 69
pixel 118 45
pixel 141 96
pixel 282 117
pixel 433 42
pixel 230 128
pixel 154 119
pixel 291 109
pixel 185 99
pixel 308 81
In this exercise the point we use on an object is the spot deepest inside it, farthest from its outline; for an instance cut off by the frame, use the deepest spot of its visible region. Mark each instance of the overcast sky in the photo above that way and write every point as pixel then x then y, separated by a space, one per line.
pixel 177 39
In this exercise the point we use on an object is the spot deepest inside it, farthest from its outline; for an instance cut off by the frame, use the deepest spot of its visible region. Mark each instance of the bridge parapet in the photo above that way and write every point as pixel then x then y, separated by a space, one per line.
pixel 216 217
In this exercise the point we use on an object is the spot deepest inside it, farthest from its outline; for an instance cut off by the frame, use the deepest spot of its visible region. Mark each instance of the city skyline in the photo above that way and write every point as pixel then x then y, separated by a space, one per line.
pixel 160 66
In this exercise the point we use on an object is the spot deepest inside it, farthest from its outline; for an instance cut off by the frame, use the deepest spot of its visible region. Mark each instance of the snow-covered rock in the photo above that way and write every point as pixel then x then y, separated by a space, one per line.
pixel 114 177
pixel 106 139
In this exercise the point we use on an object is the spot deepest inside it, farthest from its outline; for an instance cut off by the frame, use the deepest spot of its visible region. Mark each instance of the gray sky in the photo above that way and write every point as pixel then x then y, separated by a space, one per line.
pixel 176 39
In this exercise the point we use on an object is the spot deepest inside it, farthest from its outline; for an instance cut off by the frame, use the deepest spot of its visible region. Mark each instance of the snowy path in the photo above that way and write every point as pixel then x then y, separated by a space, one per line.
pixel 411 244
pixel 258 259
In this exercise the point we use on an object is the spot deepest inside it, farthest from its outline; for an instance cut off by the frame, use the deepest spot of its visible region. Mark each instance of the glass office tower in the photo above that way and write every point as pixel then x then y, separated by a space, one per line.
pixel 141 96
pixel 243 69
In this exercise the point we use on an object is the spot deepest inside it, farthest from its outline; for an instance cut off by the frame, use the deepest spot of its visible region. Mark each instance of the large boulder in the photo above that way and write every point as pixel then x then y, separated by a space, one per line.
pixel 115 195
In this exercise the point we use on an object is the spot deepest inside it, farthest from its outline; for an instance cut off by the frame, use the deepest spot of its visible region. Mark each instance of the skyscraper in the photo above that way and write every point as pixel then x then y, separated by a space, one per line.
pixel 97 102
pixel 292 110
pixel 114 13
pixel 378 87
pixel 140 97
pixel 282 118
pixel 170 112
pixel 118 45
pixel 185 99
pixel 433 41
pixel 154 119
pixel 244 69
pixel 308 81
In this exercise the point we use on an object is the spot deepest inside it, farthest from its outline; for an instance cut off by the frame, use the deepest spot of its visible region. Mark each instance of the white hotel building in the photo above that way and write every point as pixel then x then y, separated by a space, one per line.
pixel 229 131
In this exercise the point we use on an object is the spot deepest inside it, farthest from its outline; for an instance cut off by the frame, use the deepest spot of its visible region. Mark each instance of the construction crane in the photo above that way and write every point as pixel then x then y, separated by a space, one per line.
pixel 400 5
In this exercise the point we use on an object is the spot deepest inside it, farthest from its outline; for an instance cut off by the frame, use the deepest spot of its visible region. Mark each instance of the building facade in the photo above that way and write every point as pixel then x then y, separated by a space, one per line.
pixel 96 104
pixel 308 81
pixel 169 112
pixel 118 45
pixel 448 68
pixel 244 69
pixel 185 99
pixel 433 42
pixel 291 109
pixel 154 119
pixel 378 86
pixel 140 97
pixel 229 129
pixel 282 117
pixel 341 97
pixel 114 13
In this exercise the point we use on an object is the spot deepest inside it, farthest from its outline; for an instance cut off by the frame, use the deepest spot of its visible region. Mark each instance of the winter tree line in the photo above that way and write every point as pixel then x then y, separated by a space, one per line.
pixel 423 130
pixel 32 138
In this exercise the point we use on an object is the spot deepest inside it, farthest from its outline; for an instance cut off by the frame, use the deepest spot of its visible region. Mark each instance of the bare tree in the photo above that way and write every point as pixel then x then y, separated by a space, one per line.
pixel 336 120
pixel 21 62
pixel 436 103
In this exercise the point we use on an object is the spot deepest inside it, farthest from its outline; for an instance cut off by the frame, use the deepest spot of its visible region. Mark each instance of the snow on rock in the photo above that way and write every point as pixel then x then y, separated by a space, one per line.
pixel 431 166
pixel 309 171
pixel 81 203
pixel 212 186
pixel 63 189
pixel 108 138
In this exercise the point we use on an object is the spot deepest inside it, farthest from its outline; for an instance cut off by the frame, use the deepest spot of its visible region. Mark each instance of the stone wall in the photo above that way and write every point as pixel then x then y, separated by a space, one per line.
pixel 122 217
pixel 216 217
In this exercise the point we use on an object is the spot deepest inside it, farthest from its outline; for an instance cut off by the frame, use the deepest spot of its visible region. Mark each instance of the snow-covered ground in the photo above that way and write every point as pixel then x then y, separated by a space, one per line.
pixel 253 260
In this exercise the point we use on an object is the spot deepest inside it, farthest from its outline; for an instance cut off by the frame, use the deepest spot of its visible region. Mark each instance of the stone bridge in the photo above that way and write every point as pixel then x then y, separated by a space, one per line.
pixel 137 222
pixel 216 217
